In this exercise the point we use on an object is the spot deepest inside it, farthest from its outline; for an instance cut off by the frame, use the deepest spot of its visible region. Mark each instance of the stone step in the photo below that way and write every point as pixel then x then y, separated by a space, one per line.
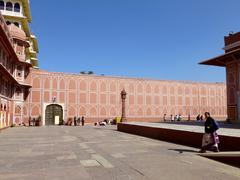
pixel 221 154
pixel 231 158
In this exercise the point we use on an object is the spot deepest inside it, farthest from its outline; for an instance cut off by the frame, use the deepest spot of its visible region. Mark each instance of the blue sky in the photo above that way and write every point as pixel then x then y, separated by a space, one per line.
pixel 157 39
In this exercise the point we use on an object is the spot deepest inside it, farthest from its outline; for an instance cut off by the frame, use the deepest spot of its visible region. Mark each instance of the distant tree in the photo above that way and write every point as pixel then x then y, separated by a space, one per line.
pixel 87 72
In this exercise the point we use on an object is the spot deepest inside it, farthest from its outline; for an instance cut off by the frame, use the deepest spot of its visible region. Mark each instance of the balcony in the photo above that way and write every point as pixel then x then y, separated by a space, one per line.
pixel 12 13
pixel 21 57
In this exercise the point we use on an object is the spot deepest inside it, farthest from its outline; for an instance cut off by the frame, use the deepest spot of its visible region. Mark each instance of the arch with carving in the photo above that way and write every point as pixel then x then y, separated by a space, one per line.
pixel 156 89
pixel 157 112
pixel 149 112
pixel 140 112
pixel 131 88
pixel 131 112
pixel 35 111
pixel 103 112
pixel 93 112
pixel 72 111
pixel 82 111
pixel 18 110
pixel 113 111
pixel 148 89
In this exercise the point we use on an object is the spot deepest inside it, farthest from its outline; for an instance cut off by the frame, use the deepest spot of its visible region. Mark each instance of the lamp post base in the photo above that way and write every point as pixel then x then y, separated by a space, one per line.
pixel 123 119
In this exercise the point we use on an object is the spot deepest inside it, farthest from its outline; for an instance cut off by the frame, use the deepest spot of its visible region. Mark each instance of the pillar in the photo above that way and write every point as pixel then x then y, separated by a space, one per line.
pixel 123 97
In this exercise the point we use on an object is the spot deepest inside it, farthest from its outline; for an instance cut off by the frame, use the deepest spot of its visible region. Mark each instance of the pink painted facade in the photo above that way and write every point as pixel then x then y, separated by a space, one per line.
pixel 98 97
pixel 14 71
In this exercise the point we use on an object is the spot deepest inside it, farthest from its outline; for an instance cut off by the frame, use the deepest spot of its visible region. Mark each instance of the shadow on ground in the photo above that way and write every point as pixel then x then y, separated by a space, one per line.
pixel 180 151
pixel 201 123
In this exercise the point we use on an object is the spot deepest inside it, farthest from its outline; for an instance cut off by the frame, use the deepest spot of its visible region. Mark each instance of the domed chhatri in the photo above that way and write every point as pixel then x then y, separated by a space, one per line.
pixel 17 33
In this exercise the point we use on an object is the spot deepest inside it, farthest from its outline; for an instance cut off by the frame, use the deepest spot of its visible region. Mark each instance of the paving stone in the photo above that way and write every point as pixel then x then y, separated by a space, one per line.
pixel 118 155
pixel 105 163
pixel 89 163
pixel 67 157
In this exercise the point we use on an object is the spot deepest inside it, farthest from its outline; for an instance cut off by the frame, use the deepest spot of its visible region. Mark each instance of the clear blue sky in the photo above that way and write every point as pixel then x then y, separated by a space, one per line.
pixel 159 39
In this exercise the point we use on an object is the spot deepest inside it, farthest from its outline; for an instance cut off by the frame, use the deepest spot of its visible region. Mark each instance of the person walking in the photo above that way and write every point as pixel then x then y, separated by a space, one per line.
pixel 210 139
pixel 83 121
pixel 78 121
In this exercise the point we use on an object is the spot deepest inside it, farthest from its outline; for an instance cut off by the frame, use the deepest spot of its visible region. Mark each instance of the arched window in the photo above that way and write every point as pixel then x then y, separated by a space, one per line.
pixel 1 5
pixel 18 91
pixel 19 71
pixel 8 22
pixel 9 6
pixel 18 110
pixel 16 24
pixel 16 7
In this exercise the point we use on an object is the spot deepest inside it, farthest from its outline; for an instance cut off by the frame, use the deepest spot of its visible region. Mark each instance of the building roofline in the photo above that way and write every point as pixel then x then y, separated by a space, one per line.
pixel 128 78
pixel 220 60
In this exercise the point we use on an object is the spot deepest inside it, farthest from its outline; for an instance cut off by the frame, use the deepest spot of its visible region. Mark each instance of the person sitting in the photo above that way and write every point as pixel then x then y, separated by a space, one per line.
pixel 179 117
pixel 198 117
pixel 100 123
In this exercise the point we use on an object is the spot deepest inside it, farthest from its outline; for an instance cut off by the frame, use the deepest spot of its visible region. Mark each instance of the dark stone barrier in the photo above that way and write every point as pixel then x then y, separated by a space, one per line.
pixel 187 138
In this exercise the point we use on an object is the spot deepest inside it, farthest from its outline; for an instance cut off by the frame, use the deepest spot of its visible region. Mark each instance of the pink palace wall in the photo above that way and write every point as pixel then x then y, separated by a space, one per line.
pixel 98 97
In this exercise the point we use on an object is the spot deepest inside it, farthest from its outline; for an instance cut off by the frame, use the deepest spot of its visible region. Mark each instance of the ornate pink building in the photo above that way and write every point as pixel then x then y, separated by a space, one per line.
pixel 14 71
pixel 98 97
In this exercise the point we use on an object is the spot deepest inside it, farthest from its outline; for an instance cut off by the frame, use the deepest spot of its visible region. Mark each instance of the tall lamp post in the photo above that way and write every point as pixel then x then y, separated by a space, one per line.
pixel 123 97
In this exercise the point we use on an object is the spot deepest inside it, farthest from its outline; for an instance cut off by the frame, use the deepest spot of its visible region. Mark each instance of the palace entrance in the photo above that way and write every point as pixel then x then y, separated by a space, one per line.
pixel 53 112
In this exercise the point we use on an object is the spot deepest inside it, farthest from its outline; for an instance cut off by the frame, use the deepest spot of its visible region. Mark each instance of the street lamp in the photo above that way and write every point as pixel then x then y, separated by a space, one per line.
pixel 123 97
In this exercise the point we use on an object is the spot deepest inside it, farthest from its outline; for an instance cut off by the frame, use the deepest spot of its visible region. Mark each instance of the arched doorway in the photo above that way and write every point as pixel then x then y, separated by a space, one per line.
pixel 53 111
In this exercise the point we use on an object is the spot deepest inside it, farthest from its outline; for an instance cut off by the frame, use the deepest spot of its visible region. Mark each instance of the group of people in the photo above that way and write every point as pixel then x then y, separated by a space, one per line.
pixel 199 117
pixel 104 122
pixel 177 117
pixel 76 121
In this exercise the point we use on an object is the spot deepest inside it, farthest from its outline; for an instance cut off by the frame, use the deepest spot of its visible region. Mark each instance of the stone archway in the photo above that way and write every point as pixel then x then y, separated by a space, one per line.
pixel 53 111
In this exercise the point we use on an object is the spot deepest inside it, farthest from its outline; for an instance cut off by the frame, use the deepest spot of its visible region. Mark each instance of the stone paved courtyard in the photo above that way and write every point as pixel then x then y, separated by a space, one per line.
pixel 89 153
